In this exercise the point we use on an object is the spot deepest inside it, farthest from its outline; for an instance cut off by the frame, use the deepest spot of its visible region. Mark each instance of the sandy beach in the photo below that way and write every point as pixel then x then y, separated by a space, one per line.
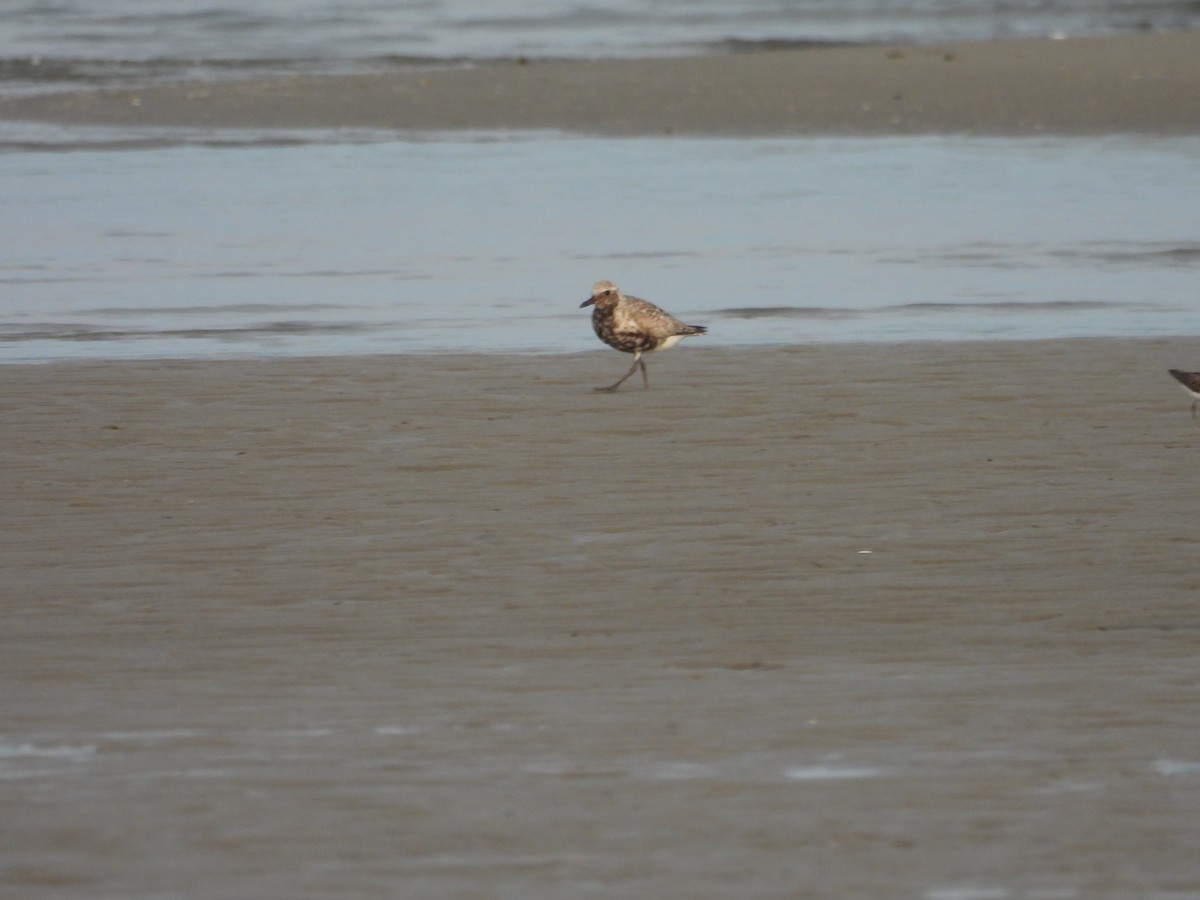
pixel 906 620
pixel 1137 83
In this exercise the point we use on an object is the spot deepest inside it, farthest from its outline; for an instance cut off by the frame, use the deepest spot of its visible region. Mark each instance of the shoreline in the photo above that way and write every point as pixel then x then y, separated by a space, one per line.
pixel 1144 83
pixel 502 356
pixel 263 607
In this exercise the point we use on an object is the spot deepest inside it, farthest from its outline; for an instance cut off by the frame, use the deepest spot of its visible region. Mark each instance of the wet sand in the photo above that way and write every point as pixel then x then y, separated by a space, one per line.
pixel 1146 83
pixel 907 620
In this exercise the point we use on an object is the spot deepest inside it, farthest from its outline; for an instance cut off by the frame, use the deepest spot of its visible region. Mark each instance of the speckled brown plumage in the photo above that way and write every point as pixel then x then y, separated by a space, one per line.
pixel 633 325
pixel 1191 384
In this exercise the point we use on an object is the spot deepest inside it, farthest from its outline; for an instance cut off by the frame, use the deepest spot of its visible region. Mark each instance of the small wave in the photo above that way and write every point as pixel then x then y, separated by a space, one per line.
pixel 641 255
pixel 90 333
pixel 36 137
pixel 1101 253
pixel 1008 306
pixel 41 137
pixel 788 312
pixel 761 45
pixel 837 314
pixel 832 773
pixel 58 751
pixel 1183 254
pixel 59 72
pixel 1171 767
pixel 35 73
pixel 204 310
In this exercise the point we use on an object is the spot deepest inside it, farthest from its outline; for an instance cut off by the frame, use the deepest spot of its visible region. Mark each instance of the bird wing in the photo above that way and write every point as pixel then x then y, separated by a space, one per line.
pixel 643 317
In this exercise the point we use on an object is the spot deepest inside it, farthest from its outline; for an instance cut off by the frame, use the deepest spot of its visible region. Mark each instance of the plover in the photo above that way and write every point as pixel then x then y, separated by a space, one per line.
pixel 633 325
pixel 1191 384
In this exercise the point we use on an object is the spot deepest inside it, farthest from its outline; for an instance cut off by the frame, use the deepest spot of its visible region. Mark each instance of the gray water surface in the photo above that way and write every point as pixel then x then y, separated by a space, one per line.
pixel 161 245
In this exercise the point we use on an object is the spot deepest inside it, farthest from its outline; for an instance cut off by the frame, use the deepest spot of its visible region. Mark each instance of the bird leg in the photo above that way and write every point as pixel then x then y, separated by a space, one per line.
pixel 637 361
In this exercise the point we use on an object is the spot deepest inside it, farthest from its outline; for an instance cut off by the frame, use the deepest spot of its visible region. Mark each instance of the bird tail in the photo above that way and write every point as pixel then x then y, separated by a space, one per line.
pixel 1190 380
pixel 696 329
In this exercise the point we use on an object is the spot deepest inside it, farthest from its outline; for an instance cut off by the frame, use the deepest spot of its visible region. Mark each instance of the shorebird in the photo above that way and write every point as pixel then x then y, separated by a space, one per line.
pixel 1191 384
pixel 633 325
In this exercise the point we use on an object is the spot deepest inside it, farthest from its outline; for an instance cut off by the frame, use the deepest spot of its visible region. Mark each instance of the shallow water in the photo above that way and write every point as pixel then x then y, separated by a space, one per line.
pixel 50 43
pixel 153 244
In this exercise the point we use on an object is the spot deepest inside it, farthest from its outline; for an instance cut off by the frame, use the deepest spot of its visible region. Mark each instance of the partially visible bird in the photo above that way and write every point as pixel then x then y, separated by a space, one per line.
pixel 1191 384
pixel 633 325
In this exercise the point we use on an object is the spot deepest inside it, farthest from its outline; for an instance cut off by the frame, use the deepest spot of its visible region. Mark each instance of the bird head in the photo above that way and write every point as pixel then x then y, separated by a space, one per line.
pixel 604 293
